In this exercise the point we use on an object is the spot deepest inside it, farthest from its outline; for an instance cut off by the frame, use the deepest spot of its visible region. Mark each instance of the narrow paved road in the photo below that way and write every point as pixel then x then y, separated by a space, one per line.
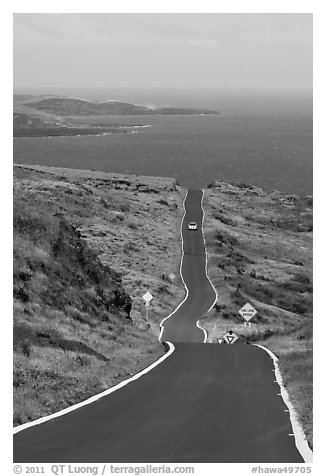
pixel 205 403
pixel 181 326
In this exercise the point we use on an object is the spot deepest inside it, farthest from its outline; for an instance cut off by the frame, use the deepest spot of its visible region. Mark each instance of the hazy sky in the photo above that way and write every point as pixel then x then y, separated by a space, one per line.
pixel 201 50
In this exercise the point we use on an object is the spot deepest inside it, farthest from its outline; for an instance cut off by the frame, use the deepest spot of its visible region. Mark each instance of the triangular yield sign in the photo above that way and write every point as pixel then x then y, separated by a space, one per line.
pixel 230 337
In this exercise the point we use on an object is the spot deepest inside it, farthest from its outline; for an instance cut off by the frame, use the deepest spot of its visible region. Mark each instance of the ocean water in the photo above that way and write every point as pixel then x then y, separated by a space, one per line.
pixel 264 139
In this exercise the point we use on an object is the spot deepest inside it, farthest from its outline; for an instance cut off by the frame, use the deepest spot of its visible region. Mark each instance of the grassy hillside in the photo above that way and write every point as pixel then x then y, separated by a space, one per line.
pixel 23 121
pixel 87 246
pixel 260 251
pixel 28 124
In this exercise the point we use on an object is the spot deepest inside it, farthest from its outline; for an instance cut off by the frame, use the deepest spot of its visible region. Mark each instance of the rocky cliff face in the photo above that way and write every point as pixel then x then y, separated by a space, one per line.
pixel 61 269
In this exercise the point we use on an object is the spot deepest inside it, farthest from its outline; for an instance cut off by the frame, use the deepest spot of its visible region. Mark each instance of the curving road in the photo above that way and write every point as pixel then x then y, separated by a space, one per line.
pixel 204 403
pixel 181 326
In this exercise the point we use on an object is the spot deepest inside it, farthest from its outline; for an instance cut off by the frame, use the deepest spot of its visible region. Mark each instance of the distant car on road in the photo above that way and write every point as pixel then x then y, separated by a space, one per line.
pixel 192 225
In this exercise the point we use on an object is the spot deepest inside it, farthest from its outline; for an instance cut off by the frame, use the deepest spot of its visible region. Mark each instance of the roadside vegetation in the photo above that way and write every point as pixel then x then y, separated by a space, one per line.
pixel 87 246
pixel 260 251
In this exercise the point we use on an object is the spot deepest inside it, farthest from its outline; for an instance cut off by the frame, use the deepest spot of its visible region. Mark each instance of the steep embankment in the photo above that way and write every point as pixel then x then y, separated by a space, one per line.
pixel 260 251
pixel 86 246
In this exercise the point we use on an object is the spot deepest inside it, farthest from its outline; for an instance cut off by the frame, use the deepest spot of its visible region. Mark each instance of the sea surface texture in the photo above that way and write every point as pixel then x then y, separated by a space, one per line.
pixel 263 139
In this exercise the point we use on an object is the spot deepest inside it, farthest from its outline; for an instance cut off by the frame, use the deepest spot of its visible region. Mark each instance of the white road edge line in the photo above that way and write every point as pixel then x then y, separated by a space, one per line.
pixel 299 436
pixel 92 399
pixel 180 272
pixel 204 331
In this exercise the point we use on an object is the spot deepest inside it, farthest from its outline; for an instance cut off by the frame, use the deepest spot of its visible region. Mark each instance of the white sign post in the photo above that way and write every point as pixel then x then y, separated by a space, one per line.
pixel 147 298
pixel 247 312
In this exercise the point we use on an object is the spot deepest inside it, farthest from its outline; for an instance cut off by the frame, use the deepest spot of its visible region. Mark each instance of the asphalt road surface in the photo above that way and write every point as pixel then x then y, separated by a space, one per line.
pixel 206 403
pixel 181 326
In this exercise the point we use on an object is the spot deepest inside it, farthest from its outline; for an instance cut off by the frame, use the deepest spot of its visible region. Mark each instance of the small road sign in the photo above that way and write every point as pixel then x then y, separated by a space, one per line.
pixel 147 298
pixel 172 277
pixel 247 311
pixel 247 324
pixel 230 337
pixel 220 340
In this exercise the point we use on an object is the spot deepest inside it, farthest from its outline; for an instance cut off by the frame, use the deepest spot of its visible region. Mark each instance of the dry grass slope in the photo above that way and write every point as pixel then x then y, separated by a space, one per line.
pixel 260 251
pixel 86 246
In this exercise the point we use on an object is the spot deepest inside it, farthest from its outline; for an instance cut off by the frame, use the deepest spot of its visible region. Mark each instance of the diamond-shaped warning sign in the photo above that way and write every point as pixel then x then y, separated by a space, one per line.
pixel 147 297
pixel 248 311
pixel 230 337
